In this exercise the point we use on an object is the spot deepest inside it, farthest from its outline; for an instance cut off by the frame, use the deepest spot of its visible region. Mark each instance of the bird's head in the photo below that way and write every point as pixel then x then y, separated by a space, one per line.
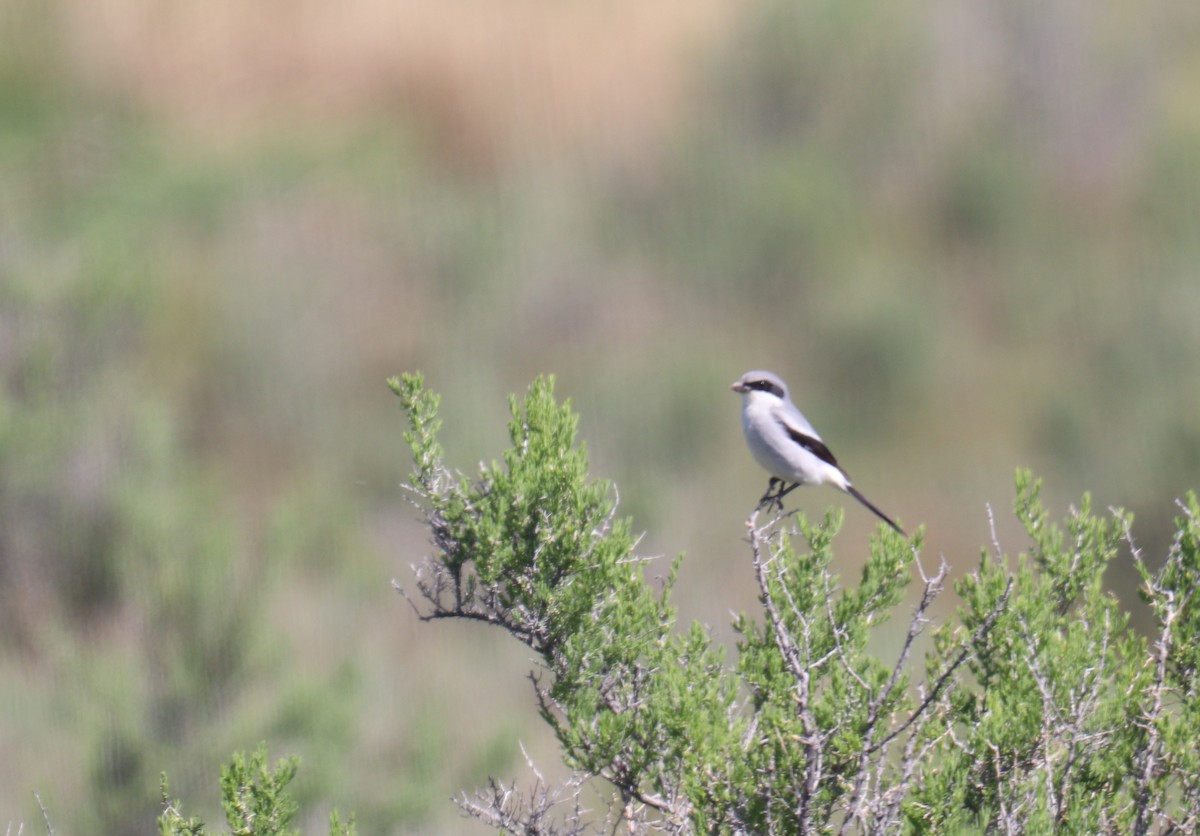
pixel 761 384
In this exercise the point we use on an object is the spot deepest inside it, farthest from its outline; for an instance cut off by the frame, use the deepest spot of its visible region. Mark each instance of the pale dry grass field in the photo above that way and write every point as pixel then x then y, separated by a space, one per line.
pixel 486 79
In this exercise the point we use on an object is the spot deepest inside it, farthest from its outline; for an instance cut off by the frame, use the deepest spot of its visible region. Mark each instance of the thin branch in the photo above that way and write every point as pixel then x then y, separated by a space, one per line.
pixel 836 631
pixel 791 656
pixel 949 672
pixel 404 594
pixel 933 587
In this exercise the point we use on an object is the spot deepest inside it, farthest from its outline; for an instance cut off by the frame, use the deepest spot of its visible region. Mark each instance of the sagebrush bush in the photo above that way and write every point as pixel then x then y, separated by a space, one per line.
pixel 1037 709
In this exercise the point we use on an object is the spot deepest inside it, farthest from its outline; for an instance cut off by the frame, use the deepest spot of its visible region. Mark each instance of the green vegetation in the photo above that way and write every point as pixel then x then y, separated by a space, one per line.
pixel 255 799
pixel 968 240
pixel 1039 710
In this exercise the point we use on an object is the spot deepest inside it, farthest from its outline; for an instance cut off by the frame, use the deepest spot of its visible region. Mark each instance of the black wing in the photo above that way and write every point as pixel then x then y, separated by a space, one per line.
pixel 812 445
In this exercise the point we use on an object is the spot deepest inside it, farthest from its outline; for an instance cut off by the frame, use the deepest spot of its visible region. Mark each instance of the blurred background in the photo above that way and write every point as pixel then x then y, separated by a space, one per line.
pixel 966 233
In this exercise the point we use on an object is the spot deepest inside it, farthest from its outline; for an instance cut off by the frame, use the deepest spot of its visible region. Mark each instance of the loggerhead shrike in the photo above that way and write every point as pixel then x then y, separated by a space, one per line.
pixel 786 445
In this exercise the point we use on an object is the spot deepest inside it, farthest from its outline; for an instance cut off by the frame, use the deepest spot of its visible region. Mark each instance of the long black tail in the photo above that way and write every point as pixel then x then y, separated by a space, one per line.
pixel 850 489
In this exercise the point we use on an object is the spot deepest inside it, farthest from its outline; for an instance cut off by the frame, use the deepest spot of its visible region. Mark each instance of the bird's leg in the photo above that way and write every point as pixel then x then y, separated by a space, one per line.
pixel 785 491
pixel 777 489
pixel 767 498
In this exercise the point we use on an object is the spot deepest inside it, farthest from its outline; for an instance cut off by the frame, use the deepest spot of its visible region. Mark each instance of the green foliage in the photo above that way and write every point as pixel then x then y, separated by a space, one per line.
pixel 534 546
pixel 137 579
pixel 1065 722
pixel 812 679
pixel 154 291
pixel 1166 756
pixel 129 559
pixel 253 795
pixel 255 799
pixel 172 822
pixel 1039 730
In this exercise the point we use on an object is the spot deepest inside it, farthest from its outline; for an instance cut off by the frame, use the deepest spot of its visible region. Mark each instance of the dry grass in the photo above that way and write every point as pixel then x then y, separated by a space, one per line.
pixel 488 80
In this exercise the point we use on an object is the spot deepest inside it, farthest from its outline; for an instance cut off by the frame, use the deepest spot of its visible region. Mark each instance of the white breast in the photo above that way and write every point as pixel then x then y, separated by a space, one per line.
pixel 777 452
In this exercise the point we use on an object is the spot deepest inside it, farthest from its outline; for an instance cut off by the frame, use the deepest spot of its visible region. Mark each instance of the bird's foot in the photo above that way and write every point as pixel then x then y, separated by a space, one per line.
pixel 774 495
pixel 777 489
pixel 767 497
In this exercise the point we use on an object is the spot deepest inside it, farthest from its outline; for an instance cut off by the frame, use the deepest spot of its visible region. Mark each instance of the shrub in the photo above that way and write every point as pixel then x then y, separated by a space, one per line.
pixel 1037 709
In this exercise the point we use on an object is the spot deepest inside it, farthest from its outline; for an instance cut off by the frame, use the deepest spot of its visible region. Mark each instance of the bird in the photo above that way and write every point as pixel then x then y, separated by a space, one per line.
pixel 783 441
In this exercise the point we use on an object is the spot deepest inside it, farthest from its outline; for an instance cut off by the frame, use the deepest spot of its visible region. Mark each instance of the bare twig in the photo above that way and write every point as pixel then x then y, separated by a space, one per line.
pixel 946 676
pixel 856 805
pixel 797 657
pixel 45 815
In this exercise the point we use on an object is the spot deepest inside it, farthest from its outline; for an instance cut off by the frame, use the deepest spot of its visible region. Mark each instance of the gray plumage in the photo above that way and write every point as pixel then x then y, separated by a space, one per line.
pixel 783 441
